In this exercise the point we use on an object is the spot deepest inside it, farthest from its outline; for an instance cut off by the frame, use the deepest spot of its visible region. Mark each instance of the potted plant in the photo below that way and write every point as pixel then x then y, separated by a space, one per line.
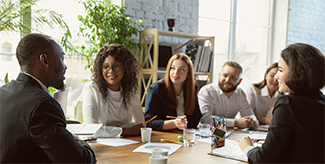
pixel 105 23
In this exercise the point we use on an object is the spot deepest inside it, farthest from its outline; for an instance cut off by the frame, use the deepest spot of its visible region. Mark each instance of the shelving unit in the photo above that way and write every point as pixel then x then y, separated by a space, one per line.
pixel 151 70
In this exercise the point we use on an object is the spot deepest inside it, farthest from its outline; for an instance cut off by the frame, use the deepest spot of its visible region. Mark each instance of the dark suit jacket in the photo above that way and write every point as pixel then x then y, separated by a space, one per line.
pixel 32 127
pixel 156 104
pixel 296 134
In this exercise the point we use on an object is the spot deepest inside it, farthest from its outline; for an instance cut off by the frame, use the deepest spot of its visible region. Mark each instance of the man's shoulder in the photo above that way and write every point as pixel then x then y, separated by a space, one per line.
pixel 210 86
pixel 239 90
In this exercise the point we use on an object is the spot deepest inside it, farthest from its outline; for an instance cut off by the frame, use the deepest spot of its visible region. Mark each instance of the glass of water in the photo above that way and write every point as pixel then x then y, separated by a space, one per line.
pixel 189 137
pixel 204 130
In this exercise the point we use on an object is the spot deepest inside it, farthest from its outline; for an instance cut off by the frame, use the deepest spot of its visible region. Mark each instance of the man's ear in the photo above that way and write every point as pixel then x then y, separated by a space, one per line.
pixel 240 80
pixel 44 60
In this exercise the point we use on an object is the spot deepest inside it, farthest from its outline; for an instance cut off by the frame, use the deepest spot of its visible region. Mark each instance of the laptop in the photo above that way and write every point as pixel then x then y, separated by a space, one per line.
pixel 83 129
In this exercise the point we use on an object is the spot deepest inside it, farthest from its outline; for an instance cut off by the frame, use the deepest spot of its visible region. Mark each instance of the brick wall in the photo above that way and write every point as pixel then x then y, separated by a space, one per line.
pixel 156 12
pixel 307 22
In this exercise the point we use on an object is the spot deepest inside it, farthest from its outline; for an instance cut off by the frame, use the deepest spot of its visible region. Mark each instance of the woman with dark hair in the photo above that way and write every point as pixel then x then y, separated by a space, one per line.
pixel 262 96
pixel 296 134
pixel 111 98
pixel 175 95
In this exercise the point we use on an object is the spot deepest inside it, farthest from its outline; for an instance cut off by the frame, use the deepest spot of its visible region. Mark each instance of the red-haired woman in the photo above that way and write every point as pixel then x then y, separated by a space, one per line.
pixel 175 95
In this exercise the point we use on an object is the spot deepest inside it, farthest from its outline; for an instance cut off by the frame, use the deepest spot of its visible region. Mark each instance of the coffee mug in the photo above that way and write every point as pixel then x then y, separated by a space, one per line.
pixel 157 152
pixel 158 159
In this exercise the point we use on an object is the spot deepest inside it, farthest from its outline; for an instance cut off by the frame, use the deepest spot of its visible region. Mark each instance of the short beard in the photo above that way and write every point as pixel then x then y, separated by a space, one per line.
pixel 227 90
pixel 61 87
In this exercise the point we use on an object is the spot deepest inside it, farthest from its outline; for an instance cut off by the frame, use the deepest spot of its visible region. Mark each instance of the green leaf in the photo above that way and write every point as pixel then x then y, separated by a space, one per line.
pixel 51 89
pixel 6 79
pixel 105 23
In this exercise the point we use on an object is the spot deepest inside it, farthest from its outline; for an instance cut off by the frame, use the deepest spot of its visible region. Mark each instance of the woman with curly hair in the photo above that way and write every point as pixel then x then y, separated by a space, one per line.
pixel 175 95
pixel 111 98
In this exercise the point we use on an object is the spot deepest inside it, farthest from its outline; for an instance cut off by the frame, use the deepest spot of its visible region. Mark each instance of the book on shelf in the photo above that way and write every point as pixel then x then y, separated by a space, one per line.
pixel 205 62
pixel 194 51
pixel 211 62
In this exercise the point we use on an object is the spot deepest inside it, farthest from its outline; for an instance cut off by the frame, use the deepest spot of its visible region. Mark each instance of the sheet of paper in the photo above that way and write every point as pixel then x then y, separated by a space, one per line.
pixel 115 141
pixel 147 148
pixel 257 136
pixel 231 150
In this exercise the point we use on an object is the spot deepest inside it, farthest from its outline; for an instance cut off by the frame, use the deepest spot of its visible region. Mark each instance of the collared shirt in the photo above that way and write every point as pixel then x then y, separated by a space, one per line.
pixel 260 100
pixel 39 82
pixel 214 102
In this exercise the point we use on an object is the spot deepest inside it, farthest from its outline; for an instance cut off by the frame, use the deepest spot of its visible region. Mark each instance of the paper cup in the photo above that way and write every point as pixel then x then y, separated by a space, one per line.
pixel 145 134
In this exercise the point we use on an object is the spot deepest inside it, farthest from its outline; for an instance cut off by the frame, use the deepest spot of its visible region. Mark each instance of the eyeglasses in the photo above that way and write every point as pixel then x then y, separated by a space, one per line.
pixel 115 68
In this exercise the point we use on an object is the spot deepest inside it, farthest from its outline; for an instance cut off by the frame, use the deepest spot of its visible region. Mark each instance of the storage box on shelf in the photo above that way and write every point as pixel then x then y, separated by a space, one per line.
pixel 148 63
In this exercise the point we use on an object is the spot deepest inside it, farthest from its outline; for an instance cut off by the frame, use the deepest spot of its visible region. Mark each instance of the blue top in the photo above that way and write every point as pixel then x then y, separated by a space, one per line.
pixel 156 104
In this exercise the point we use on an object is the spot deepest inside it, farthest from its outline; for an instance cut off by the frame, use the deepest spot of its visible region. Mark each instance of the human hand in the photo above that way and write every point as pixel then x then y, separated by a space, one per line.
pixel 245 143
pixel 181 122
pixel 253 124
pixel 244 122
pixel 132 131
pixel 76 137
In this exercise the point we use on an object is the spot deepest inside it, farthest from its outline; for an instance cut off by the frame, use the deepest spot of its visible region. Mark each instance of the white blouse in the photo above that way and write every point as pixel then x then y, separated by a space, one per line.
pixel 260 100
pixel 112 113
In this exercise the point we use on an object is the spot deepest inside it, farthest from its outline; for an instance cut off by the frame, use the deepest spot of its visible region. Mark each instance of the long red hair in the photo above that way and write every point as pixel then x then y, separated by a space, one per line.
pixel 188 86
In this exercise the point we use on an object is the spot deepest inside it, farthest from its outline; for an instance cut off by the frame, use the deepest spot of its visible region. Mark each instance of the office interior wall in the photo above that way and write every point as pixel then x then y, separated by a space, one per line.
pixel 307 22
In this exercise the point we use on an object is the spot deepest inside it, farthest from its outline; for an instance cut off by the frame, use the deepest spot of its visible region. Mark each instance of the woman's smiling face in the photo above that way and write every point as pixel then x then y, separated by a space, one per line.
pixel 112 72
pixel 281 75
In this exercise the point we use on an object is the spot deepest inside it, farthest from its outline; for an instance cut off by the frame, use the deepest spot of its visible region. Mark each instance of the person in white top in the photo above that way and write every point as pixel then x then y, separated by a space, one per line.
pixel 225 99
pixel 262 96
pixel 111 98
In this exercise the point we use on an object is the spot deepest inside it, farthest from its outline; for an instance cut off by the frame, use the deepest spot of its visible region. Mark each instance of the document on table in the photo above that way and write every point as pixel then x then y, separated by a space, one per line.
pixel 147 148
pixel 231 150
pixel 115 141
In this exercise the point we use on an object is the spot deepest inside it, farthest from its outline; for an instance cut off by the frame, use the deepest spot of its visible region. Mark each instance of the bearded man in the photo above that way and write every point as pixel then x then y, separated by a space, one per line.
pixel 226 99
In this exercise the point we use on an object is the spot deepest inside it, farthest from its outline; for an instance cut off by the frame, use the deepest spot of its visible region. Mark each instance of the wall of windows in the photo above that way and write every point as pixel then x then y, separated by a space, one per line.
pixel 243 31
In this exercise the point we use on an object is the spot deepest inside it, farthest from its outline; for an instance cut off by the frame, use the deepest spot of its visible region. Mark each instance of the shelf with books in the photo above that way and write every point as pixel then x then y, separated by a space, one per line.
pixel 148 58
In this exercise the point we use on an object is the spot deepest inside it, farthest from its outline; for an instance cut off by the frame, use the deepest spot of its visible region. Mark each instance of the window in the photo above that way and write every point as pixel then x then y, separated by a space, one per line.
pixel 6 49
pixel 242 30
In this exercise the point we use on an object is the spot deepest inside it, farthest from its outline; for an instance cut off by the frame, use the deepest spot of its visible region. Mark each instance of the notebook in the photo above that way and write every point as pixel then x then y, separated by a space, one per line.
pixel 83 129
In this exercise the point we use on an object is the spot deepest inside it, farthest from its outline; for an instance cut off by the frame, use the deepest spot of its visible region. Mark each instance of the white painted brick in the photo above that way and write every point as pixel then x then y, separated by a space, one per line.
pixel 140 14
pixel 184 15
pixel 149 15
pixel 134 5
pixel 160 17
pixel 181 21
pixel 130 12
pixel 146 7
pixel 155 15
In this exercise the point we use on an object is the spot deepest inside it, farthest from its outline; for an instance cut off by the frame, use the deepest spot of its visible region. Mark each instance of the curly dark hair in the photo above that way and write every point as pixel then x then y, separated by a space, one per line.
pixel 306 68
pixel 121 54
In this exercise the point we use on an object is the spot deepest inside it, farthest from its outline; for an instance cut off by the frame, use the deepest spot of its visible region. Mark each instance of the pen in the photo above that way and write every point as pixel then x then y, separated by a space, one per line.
pixel 149 120
pixel 171 117
pixel 164 140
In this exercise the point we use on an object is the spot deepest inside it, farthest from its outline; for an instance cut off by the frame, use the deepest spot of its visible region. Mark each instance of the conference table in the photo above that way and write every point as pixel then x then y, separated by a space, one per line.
pixel 185 154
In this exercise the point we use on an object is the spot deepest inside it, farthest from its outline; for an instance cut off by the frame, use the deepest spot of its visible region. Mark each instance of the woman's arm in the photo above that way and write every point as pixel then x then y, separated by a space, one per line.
pixel 280 133
pixel 154 106
pixel 90 108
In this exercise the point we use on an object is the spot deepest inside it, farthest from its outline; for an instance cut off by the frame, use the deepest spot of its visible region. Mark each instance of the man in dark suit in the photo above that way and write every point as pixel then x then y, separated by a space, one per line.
pixel 32 123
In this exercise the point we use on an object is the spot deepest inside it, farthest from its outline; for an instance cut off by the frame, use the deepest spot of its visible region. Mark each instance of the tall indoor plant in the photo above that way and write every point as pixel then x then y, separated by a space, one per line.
pixel 105 23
